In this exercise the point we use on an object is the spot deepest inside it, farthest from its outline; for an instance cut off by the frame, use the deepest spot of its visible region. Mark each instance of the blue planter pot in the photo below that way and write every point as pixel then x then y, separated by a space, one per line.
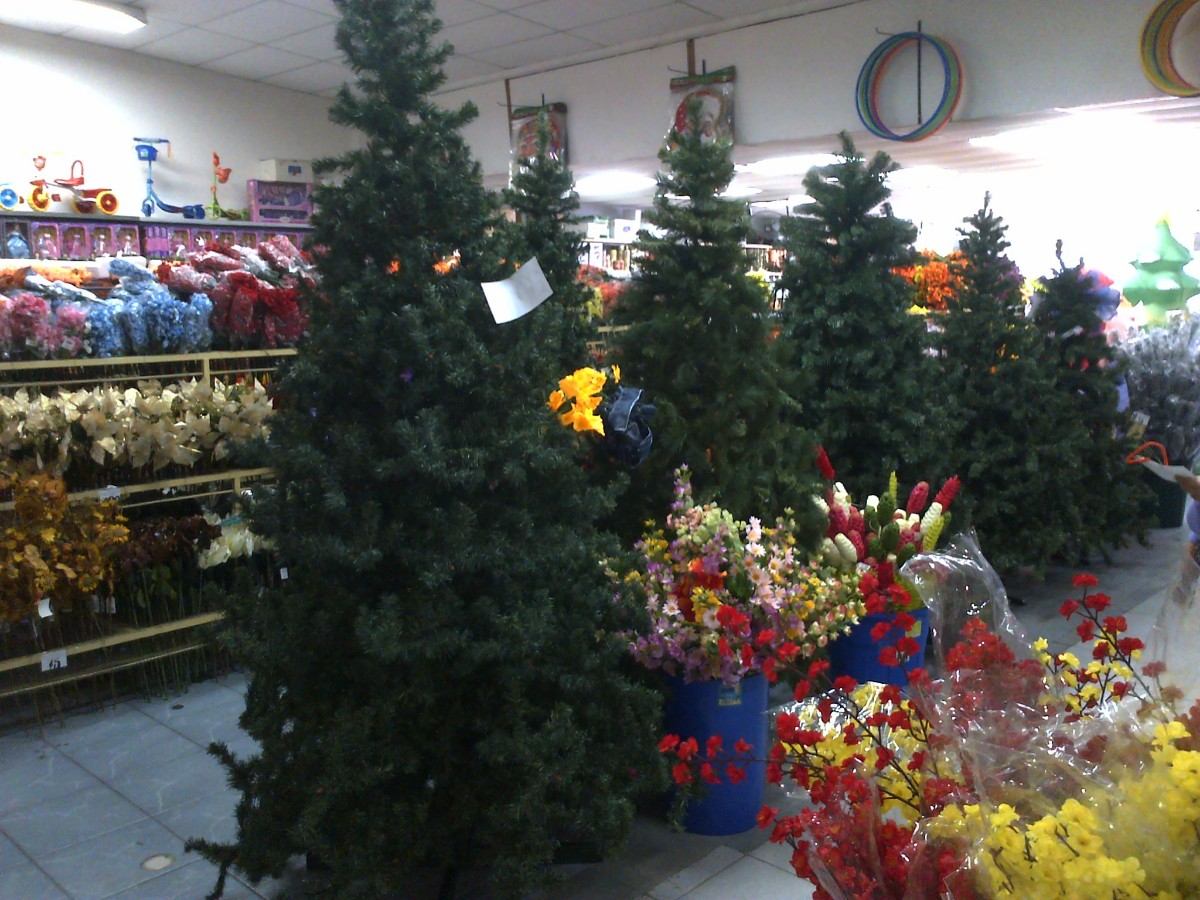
pixel 856 655
pixel 704 708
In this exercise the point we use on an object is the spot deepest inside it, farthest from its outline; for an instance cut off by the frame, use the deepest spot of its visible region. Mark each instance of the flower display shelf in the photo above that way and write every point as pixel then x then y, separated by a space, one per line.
pixel 223 364
pixel 598 346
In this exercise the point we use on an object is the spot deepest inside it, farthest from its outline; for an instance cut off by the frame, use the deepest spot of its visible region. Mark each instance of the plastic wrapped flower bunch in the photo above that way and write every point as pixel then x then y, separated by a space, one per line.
pixel 155 320
pixel 186 424
pixel 727 599
pixel 236 541
pixel 256 301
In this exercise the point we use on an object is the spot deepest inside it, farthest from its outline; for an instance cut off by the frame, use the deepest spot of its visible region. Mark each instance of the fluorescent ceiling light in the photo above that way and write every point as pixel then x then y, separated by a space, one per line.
pixel 94 15
pixel 798 164
pixel 613 183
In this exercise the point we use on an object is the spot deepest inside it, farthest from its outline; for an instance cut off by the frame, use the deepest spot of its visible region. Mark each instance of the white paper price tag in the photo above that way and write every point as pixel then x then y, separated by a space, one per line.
pixel 54 659
pixel 112 492
pixel 283 574
pixel 44 609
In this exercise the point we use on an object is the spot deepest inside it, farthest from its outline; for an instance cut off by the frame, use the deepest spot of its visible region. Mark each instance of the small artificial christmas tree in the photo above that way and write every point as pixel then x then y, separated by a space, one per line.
pixel 700 341
pixel 858 360
pixel 1159 280
pixel 1069 313
pixel 435 687
pixel 542 195
pixel 1011 428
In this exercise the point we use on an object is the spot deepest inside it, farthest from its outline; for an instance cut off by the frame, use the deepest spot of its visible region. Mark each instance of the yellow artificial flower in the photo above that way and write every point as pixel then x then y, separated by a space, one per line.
pixel 616 373
pixel 557 399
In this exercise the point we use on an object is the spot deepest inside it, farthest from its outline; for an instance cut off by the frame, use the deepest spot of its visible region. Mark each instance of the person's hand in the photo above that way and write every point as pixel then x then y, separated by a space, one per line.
pixel 1190 484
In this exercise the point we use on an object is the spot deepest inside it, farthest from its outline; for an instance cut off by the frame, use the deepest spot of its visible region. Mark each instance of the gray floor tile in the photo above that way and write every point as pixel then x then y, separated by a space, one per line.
pixel 778 855
pixel 123 721
pixel 145 745
pixel 235 681
pixel 159 788
pixel 32 772
pixel 44 827
pixel 25 881
pixel 696 874
pixel 111 863
pixel 187 706
pixel 752 879
pixel 210 817
pixel 190 882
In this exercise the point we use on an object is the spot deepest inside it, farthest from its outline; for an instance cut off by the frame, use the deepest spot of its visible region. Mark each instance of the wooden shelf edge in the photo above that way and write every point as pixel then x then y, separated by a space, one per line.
pixel 102 669
pixel 129 490
pixel 114 640
pixel 214 356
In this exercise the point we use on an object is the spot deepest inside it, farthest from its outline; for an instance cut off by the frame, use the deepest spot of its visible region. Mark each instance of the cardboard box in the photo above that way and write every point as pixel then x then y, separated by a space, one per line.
pixel 294 170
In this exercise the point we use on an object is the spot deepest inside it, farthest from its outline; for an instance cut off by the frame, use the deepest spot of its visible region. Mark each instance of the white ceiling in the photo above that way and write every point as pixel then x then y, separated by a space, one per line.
pixel 290 43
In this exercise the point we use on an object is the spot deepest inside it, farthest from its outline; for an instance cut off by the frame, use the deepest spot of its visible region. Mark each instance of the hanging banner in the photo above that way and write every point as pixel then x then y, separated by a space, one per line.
pixel 714 92
pixel 523 131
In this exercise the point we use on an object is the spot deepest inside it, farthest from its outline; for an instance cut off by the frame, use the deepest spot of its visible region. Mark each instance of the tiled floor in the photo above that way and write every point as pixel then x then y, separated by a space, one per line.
pixel 85 802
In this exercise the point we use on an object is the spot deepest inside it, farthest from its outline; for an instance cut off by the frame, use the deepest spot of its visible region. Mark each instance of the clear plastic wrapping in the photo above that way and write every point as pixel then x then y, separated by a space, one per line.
pixel 186 280
pixel 1162 371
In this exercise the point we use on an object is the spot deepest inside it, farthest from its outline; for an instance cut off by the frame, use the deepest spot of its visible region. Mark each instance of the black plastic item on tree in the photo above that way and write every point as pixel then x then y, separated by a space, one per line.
pixel 627 434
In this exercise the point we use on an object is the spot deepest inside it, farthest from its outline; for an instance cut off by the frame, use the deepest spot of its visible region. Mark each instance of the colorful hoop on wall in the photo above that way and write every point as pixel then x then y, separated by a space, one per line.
pixel 1157 38
pixel 871 74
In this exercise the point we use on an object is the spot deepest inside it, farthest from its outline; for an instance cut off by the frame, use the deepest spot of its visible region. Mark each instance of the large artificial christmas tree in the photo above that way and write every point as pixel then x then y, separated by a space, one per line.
pixel 1011 428
pixel 858 359
pixel 700 340
pixel 433 687
pixel 1070 311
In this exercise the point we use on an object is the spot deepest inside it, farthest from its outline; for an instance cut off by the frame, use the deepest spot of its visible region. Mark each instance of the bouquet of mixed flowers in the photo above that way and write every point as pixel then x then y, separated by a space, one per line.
pixel 727 599
pixel 1020 773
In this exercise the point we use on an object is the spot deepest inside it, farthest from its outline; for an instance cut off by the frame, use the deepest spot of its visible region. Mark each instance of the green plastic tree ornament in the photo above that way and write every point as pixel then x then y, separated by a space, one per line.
pixel 1160 283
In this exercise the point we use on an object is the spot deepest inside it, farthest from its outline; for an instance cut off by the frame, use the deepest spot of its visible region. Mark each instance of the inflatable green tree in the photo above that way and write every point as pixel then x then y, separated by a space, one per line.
pixel 858 359
pixel 1159 281
pixel 700 342
pixel 435 687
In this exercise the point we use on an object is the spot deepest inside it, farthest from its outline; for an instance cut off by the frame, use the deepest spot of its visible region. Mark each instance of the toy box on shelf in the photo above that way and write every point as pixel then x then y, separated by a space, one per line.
pixel 280 202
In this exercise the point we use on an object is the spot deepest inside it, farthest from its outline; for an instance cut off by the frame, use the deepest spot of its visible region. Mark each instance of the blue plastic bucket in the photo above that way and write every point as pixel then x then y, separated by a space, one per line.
pixel 704 708
pixel 856 655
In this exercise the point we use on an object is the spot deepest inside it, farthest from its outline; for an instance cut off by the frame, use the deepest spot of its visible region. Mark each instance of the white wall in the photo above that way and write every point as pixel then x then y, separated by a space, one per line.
pixel 66 99
pixel 796 77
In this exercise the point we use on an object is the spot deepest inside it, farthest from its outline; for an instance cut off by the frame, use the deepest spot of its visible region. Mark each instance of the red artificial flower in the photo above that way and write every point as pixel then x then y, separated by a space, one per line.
pixel 1085 580
pixel 860 546
pixel 883 756
pixel 807 737
pixel 1120 688
pixel 709 774
pixel 817 668
pixel 1115 624
pixel 800 692
pixel 918 676
pixel 786 725
pixel 876 604
pixel 741 747
pixel 788 651
pixel 764 637
pixel 868 584
pixel 747 654
pixel 712 746
pixel 825 708
pixel 910 647
pixel 948 492
pixel 1098 602
pixel 735 774
pixel 917 761
pixel 880 630
pixel 682 773
pixel 687 749
pixel 876 719
pixel 1154 669
pixel 1069 608
pixel 905 621
pixel 889 656
pixel 723 647
pixel 768 670
pixel 668 743
pixel 890 694
pixel 824 466
pixel 766 816
pixel 850 734
pixel 845 683
pixel 1127 646
pixel 1102 650
pixel 887 573
pixel 917 498
pixel 898 718
pixel 734 620
pixel 1086 630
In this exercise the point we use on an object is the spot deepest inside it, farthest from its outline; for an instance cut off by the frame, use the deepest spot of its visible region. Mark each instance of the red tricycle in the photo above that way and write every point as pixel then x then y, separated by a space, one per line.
pixel 85 200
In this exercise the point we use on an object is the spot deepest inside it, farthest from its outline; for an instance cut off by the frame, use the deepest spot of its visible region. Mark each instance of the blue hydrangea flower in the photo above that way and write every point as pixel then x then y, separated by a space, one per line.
pixel 197 332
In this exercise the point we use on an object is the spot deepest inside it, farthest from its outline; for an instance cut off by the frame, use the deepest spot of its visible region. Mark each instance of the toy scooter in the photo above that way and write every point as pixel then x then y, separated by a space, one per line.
pixel 85 200
pixel 147 152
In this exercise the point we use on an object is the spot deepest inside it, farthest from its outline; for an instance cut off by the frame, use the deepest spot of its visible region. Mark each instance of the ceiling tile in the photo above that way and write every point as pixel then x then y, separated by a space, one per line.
pixel 492 31
pixel 268 21
pixel 153 31
pixel 455 12
pixel 191 12
pixel 460 68
pixel 314 79
pixel 732 9
pixel 317 43
pixel 654 22
pixel 258 62
pixel 515 4
pixel 539 49
pixel 193 46
pixel 567 14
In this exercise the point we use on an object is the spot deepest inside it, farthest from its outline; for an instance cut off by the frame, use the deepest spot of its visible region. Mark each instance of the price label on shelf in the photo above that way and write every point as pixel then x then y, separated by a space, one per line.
pixel 54 659
pixel 112 492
